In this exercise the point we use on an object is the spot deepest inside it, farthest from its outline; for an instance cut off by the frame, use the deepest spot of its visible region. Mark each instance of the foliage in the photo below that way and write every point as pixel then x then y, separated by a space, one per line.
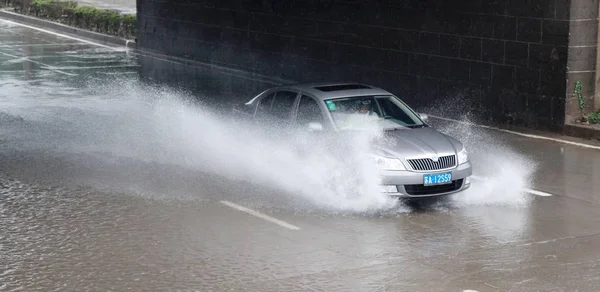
pixel 84 17
pixel 594 118
pixel 578 90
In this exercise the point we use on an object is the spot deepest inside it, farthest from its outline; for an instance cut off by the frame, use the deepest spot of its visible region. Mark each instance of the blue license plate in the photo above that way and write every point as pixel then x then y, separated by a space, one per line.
pixel 437 179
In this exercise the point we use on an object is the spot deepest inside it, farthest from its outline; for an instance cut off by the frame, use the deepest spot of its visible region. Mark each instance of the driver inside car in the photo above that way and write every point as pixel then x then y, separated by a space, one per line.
pixel 366 108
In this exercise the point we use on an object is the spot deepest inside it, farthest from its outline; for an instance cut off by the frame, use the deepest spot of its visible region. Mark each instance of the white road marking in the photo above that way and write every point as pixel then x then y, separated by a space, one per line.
pixel 520 134
pixel 118 73
pixel 538 193
pixel 530 191
pixel 260 215
pixel 60 34
pixel 18 71
pixel 49 67
pixel 20 45
pixel 95 67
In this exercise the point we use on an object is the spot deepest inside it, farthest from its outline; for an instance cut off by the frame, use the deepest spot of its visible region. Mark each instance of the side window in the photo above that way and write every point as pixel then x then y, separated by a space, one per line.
pixel 264 106
pixel 283 104
pixel 308 111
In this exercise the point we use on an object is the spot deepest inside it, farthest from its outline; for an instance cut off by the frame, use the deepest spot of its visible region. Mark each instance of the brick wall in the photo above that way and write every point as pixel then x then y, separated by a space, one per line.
pixel 503 61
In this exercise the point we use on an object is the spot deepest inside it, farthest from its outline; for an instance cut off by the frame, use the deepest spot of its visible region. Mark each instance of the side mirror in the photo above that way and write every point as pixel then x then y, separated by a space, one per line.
pixel 314 126
pixel 424 117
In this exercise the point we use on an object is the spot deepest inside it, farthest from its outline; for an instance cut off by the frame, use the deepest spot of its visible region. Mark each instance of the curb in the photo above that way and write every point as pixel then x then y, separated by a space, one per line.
pixel 581 131
pixel 70 30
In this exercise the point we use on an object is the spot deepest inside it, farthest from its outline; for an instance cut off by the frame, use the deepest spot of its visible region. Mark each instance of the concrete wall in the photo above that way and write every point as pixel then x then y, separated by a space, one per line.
pixel 503 61
pixel 582 59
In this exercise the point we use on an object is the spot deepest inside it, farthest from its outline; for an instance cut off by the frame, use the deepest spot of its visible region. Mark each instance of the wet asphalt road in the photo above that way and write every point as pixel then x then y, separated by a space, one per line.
pixel 75 218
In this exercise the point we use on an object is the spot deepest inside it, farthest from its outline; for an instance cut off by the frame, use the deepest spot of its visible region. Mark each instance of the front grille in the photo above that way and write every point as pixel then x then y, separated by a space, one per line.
pixel 422 190
pixel 428 164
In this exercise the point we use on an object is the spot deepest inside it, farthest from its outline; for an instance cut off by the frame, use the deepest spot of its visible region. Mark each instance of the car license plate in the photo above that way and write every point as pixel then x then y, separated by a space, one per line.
pixel 437 179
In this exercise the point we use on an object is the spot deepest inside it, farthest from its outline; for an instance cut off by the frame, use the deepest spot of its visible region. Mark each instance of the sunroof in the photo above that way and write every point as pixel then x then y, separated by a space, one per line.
pixel 342 87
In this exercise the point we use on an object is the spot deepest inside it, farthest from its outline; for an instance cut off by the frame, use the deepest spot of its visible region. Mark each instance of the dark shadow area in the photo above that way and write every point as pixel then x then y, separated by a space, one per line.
pixel 497 63
pixel 433 204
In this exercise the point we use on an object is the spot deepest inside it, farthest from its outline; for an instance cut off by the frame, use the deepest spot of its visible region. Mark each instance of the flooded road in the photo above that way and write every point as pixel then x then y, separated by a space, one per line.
pixel 110 184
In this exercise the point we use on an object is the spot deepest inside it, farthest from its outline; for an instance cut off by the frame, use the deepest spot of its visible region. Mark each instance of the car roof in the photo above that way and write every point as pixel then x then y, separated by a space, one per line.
pixel 327 90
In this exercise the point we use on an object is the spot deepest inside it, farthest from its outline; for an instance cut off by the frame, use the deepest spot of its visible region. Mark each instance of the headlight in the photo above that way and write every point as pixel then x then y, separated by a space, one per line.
pixel 388 163
pixel 463 157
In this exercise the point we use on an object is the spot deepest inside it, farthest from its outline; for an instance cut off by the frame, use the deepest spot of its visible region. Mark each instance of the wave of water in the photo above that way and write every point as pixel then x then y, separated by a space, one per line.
pixel 159 125
pixel 501 173
pixel 125 118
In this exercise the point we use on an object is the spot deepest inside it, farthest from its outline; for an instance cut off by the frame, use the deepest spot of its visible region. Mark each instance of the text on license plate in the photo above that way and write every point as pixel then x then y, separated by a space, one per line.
pixel 437 179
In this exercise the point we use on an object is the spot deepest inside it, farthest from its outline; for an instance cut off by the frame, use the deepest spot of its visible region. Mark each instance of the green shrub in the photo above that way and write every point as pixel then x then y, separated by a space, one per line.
pixel 84 17
pixel 594 118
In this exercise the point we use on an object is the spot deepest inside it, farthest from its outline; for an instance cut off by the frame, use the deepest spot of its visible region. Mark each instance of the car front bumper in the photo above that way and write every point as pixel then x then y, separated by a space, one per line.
pixel 409 184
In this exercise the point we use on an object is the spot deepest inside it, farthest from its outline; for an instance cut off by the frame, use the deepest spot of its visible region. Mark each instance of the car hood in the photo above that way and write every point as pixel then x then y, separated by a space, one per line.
pixel 420 142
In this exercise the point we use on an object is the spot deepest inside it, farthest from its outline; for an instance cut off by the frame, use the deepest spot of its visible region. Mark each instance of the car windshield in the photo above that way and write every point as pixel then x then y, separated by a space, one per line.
pixel 381 111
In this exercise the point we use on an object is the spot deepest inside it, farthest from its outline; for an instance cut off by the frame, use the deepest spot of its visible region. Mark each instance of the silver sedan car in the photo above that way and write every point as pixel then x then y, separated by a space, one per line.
pixel 417 161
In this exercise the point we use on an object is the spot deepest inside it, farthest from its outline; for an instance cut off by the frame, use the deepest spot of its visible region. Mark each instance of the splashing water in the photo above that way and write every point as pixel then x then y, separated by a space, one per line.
pixel 312 168
pixel 124 118
pixel 501 175
pixel 506 173
pixel 159 125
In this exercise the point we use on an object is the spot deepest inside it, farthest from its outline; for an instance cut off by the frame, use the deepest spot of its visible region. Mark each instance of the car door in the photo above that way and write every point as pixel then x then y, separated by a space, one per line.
pixel 276 109
pixel 309 115
pixel 283 107
pixel 310 124
pixel 263 108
